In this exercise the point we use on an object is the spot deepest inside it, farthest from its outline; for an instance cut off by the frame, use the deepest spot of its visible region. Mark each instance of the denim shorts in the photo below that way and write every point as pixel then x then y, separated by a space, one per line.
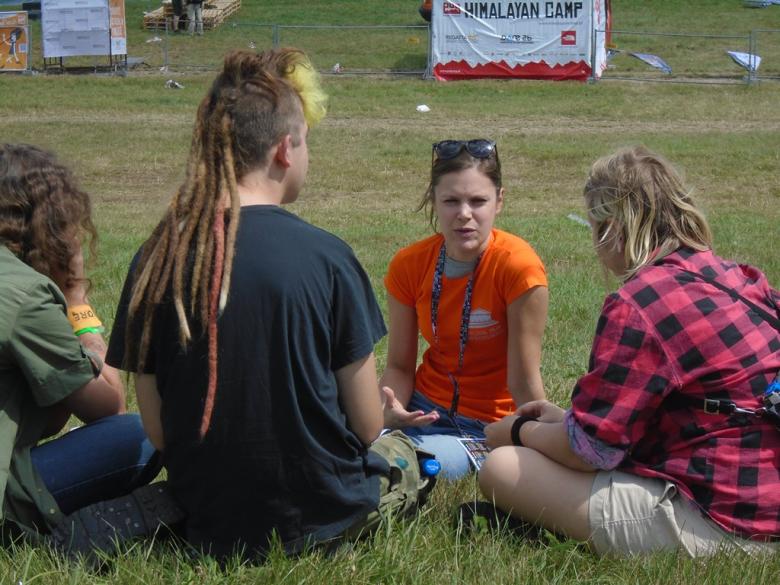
pixel 442 437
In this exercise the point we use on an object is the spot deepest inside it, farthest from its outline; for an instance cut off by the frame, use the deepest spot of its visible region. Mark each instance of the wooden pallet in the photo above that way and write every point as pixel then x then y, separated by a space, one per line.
pixel 215 12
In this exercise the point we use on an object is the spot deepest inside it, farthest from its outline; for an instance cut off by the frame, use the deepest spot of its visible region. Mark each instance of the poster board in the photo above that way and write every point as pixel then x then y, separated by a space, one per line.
pixel 83 27
pixel 526 39
pixel 118 24
pixel 14 41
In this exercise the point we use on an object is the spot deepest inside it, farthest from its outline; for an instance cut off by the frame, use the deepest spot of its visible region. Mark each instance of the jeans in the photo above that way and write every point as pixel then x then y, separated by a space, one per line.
pixel 441 437
pixel 195 18
pixel 99 461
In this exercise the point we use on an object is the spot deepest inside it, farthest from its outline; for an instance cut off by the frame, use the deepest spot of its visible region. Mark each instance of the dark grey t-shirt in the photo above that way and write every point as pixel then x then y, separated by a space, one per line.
pixel 279 454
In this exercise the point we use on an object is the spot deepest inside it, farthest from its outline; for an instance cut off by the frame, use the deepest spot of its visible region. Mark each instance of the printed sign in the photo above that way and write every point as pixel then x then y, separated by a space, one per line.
pixel 14 41
pixel 83 27
pixel 116 9
pixel 549 40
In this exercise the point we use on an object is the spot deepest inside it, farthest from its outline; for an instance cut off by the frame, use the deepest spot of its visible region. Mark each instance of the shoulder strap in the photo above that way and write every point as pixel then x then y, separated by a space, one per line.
pixel 727 407
pixel 773 321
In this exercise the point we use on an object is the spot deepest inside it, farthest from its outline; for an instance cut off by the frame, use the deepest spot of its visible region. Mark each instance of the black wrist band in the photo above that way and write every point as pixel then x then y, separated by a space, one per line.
pixel 515 432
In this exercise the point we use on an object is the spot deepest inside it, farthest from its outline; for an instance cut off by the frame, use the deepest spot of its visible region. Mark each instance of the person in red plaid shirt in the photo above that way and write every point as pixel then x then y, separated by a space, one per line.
pixel 638 464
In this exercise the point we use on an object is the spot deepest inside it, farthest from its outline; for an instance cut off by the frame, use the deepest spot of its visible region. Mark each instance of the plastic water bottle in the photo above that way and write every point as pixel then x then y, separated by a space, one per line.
pixel 771 400
pixel 430 467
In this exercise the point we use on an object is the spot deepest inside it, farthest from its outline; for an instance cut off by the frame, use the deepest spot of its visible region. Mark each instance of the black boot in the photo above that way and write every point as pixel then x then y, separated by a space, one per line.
pixel 103 526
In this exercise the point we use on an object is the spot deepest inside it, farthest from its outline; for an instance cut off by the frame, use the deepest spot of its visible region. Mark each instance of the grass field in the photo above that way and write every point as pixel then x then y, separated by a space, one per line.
pixel 127 139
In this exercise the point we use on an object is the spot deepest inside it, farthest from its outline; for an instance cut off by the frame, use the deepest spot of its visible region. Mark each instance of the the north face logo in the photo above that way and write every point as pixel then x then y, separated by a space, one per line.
pixel 480 319
pixel 451 8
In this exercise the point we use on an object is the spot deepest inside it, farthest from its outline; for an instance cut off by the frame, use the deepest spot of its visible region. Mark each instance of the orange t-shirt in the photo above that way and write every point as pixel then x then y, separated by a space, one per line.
pixel 508 268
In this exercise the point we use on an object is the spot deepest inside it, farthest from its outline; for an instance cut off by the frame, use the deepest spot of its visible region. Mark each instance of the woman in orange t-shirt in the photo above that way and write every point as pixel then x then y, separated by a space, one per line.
pixel 478 295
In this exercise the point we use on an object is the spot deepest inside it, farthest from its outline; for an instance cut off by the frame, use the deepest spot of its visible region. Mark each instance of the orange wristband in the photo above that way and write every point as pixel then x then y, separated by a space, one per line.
pixel 83 317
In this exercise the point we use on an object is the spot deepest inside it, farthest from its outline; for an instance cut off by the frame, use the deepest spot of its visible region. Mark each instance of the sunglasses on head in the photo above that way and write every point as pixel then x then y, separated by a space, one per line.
pixel 478 148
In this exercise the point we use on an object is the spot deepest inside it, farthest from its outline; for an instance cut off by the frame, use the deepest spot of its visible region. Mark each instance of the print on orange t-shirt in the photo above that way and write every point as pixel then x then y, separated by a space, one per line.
pixel 508 268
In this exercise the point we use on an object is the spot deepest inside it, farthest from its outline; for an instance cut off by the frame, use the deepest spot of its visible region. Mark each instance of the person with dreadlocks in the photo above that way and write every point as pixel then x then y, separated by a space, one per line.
pixel 251 332
pixel 51 360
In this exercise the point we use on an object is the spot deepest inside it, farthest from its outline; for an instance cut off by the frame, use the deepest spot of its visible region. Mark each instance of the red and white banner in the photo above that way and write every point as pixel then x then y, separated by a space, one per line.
pixel 538 40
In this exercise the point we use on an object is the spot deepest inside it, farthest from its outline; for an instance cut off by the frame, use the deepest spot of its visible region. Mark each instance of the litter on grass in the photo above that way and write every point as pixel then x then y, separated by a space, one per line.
pixel 747 61
pixel 653 61
pixel 577 219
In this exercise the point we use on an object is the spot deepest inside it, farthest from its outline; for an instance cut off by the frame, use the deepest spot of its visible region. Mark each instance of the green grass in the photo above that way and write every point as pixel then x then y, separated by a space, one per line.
pixel 127 139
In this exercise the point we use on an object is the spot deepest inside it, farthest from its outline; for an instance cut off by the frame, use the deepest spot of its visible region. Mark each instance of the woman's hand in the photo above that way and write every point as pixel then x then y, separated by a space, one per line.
pixel 105 395
pixel 397 417
pixel 497 434
pixel 73 282
pixel 542 410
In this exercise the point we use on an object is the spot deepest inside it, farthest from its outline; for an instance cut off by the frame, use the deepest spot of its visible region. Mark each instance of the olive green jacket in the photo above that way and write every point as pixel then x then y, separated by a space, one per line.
pixel 41 363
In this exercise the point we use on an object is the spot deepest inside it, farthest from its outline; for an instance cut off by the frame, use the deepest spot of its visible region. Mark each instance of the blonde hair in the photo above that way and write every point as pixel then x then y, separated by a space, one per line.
pixel 305 80
pixel 637 197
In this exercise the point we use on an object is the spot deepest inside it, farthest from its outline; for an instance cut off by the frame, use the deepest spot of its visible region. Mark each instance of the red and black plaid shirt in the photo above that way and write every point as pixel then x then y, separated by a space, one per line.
pixel 662 337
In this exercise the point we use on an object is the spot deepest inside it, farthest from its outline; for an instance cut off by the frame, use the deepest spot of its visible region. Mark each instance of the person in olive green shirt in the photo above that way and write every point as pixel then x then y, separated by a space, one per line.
pixel 51 358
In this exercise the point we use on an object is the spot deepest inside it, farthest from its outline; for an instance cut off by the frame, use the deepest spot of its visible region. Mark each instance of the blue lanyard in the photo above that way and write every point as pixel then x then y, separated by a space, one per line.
pixel 465 317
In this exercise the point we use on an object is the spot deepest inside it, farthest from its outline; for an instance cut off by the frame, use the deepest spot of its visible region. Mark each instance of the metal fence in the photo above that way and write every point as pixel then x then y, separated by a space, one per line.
pixel 692 58
pixel 347 49
pixel 766 43
pixel 406 50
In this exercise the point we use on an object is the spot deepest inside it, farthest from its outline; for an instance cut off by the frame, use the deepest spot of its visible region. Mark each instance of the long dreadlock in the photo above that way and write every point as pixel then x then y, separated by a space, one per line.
pixel 253 103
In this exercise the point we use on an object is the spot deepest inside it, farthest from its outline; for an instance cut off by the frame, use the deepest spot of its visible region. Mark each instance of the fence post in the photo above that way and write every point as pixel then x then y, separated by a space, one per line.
pixel 429 55
pixel 753 50
pixel 593 43
pixel 275 41
pixel 165 47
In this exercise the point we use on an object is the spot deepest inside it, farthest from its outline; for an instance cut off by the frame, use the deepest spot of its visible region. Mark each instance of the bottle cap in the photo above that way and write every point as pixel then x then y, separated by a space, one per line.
pixel 430 467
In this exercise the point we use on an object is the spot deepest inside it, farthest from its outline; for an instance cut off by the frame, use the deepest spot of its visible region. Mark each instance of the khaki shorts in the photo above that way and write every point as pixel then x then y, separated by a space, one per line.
pixel 631 515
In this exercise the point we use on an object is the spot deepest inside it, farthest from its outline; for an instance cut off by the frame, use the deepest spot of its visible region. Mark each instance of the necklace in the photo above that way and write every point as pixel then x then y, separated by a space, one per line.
pixel 465 317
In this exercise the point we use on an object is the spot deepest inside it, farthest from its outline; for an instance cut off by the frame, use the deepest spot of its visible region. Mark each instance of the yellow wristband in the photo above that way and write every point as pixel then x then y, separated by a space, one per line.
pixel 83 317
